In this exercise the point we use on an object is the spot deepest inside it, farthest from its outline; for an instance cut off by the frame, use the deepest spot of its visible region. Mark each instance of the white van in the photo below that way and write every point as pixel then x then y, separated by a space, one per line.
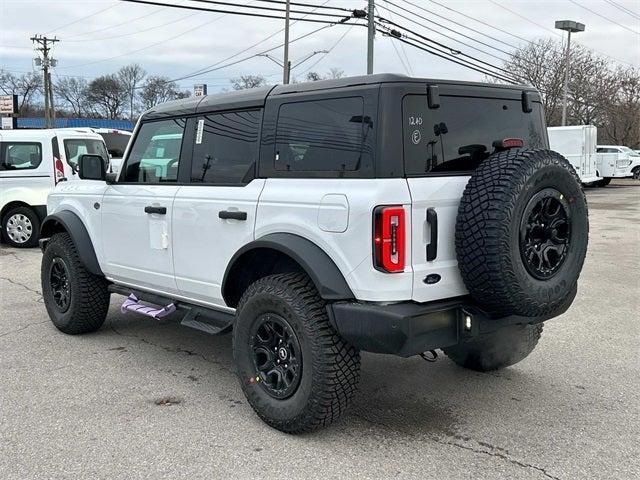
pixel 32 162
pixel 116 142
pixel 578 145
pixel 617 161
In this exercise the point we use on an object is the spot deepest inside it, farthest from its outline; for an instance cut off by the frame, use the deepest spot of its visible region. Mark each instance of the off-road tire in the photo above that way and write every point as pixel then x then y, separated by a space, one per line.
pixel 89 294
pixel 330 367
pixel 496 350
pixel 489 225
pixel 604 182
pixel 35 227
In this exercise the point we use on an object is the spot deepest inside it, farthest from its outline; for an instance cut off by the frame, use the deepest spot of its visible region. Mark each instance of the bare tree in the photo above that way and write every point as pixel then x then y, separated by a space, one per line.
pixel 73 93
pixel 157 89
pixel 26 86
pixel 244 82
pixel 107 95
pixel 622 122
pixel 131 77
pixel 333 73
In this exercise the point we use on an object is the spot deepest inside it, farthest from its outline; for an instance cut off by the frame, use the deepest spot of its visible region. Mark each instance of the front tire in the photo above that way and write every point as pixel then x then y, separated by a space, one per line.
pixel 21 227
pixel 294 369
pixel 496 350
pixel 77 300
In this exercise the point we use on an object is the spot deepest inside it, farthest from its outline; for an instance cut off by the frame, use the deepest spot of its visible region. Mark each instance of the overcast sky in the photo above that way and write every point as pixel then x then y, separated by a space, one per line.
pixel 175 42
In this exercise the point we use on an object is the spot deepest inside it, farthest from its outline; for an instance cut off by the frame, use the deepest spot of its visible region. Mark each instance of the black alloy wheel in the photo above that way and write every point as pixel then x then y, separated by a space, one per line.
pixel 60 287
pixel 277 356
pixel 545 233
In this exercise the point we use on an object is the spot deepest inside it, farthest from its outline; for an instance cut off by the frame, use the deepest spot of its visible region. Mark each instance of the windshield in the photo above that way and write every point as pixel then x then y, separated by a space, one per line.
pixel 116 143
pixel 76 147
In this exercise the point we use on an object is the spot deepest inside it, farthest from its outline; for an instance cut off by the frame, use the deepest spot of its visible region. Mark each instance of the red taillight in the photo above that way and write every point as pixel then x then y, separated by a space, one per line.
pixel 508 143
pixel 59 169
pixel 389 239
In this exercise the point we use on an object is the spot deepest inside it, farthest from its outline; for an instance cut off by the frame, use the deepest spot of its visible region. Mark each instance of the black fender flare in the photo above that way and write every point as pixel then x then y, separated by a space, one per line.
pixel 68 221
pixel 322 270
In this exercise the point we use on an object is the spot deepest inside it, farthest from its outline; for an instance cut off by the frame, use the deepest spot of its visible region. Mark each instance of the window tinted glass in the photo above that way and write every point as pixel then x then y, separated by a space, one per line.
pixel 324 135
pixel 20 155
pixel 155 154
pixel 459 135
pixel 76 147
pixel 228 149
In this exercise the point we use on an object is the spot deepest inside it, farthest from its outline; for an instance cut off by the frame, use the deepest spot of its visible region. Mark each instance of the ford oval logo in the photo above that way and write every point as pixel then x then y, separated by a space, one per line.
pixel 432 278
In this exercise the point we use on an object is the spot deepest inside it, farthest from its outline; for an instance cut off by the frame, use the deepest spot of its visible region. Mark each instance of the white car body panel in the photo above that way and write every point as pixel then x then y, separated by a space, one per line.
pixel 296 206
pixel 32 186
pixel 618 164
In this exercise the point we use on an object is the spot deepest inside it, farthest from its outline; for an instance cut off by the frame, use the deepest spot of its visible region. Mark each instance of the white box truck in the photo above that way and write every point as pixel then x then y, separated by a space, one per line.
pixel 578 145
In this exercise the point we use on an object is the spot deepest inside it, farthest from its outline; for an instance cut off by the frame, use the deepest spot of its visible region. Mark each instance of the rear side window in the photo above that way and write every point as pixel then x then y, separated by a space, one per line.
pixel 20 155
pixel 155 153
pixel 74 148
pixel 321 135
pixel 459 135
pixel 226 147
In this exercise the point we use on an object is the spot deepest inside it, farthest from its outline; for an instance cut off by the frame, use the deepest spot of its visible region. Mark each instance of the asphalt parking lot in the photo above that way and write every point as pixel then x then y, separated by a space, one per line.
pixel 140 399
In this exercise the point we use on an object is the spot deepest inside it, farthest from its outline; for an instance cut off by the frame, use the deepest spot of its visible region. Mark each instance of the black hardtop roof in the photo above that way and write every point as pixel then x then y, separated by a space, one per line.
pixel 256 97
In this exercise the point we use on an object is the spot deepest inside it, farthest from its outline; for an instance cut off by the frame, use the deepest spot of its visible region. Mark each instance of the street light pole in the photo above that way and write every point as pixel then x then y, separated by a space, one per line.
pixel 370 34
pixel 569 26
pixel 286 63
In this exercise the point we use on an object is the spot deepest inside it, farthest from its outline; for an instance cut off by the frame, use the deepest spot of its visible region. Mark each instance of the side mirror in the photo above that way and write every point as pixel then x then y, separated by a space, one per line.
pixel 91 167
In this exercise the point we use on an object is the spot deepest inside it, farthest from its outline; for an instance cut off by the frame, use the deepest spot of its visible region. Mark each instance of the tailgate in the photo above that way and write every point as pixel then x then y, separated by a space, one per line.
pixel 441 195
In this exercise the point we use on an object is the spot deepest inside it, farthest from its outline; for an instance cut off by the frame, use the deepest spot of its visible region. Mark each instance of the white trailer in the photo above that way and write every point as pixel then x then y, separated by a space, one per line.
pixel 578 145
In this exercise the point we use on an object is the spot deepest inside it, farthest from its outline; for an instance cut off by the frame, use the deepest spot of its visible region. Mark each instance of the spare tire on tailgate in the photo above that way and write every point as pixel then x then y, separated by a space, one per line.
pixel 521 232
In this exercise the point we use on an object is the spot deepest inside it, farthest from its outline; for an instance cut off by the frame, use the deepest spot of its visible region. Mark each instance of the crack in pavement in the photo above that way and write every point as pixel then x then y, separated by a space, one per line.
pixel 491 450
pixel 26 287
pixel 218 364
pixel 22 328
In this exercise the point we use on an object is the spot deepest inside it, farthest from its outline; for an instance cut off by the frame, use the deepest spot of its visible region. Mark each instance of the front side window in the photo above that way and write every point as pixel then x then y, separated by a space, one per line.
pixel 155 153
pixel 459 135
pixel 321 135
pixel 226 147
pixel 74 148
pixel 20 155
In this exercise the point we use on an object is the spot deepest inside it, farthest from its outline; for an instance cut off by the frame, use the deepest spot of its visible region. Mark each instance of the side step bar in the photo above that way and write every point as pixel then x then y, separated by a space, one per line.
pixel 194 316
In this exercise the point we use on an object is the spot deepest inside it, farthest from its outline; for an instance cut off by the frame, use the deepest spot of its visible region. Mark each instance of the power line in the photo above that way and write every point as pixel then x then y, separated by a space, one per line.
pixel 452 51
pixel 299 4
pixel 101 39
pixel 406 65
pixel 623 9
pixel 83 18
pixel 476 20
pixel 415 14
pixel 111 27
pixel 553 31
pixel 216 10
pixel 322 57
pixel 410 41
pixel 273 9
pixel 196 72
pixel 255 55
pixel 605 18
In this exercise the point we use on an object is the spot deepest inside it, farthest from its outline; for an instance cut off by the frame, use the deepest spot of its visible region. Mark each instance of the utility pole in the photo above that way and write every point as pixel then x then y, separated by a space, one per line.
pixel 286 64
pixel 371 33
pixel 44 45
pixel 569 26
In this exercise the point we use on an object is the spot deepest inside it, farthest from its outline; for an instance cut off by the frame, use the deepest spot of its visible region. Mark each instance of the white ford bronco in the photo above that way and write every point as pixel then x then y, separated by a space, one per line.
pixel 381 213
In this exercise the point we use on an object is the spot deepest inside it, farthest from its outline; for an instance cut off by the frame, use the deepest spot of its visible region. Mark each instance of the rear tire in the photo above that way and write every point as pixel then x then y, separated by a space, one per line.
pixel 77 300
pixel 319 371
pixel 604 182
pixel 21 227
pixel 496 350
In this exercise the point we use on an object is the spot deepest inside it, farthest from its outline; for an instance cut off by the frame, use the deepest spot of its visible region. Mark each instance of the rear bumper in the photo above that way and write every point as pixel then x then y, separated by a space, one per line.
pixel 410 328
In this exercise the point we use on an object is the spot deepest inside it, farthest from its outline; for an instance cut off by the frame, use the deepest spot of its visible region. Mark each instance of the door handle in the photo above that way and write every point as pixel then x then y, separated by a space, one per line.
pixel 432 246
pixel 158 210
pixel 232 214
